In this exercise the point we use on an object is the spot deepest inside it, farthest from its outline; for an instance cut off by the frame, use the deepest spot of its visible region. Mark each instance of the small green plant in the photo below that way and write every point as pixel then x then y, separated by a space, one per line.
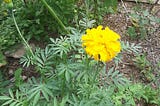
pixel 145 67
pixel 93 11
pixel 143 24
pixel 131 31
pixel 18 77
pixel 152 95
pixel 114 78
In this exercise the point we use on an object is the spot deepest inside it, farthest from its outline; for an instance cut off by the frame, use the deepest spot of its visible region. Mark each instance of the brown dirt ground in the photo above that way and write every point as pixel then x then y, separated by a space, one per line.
pixel 119 22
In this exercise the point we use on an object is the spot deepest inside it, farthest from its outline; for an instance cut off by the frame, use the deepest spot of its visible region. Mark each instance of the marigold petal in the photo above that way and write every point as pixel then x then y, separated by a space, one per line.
pixel 101 44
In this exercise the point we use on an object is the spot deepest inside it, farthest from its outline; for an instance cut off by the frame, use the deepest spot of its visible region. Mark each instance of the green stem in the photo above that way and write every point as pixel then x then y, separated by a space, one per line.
pixel 97 71
pixel 20 34
pixel 54 15
pixel 96 10
pixel 106 67
pixel 63 85
pixel 87 12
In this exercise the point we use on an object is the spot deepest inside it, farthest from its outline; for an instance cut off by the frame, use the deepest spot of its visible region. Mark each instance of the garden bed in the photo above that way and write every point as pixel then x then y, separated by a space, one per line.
pixel 138 24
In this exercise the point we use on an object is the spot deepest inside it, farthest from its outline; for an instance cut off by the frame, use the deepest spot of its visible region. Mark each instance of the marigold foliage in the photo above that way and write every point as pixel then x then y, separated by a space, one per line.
pixel 101 44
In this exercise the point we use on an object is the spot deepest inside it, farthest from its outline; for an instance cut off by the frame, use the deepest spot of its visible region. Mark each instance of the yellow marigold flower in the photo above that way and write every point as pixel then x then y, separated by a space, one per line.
pixel 101 44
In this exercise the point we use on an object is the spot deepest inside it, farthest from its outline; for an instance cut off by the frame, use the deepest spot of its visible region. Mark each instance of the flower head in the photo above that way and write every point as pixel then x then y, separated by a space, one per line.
pixel 101 44
pixel 7 1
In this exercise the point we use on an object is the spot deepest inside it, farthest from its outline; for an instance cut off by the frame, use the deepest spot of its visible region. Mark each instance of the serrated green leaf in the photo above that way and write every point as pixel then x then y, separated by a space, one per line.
pixel 28 63
pixel 43 56
pixel 145 97
pixel 40 65
pixel 61 72
pixel 32 94
pixel 46 51
pixel 7 102
pixel 67 76
pixel 4 98
pixel 55 102
pixel 115 74
pixel 49 63
pixel 52 40
pixel 36 98
pixel 38 59
pixel 80 75
pixel 110 72
pixel 13 104
pixel 48 91
pixel 154 102
pixel 17 95
pixel 20 104
pixel 64 100
pixel 45 95
pixel 11 93
pixel 71 72
pixel 36 88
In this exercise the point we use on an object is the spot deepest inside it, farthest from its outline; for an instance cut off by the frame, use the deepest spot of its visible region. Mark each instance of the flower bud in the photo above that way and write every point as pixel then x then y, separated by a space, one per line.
pixel 10 5
pixel 7 1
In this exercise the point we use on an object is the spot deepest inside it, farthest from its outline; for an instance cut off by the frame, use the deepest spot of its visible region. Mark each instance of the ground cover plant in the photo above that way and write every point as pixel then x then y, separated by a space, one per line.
pixel 68 56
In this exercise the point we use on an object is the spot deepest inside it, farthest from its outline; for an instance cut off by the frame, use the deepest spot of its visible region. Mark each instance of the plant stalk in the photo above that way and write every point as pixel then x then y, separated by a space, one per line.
pixel 20 34
pixel 97 71
pixel 87 12
pixel 106 66
pixel 54 15
pixel 96 11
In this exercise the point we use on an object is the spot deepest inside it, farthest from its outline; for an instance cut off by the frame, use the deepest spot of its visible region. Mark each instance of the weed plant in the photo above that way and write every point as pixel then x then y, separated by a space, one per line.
pixel 143 24
pixel 33 19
